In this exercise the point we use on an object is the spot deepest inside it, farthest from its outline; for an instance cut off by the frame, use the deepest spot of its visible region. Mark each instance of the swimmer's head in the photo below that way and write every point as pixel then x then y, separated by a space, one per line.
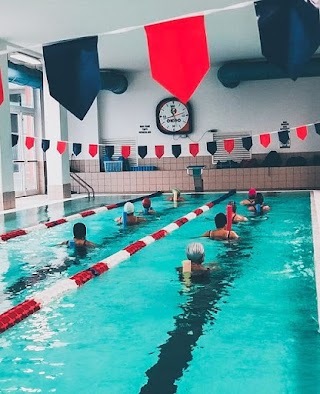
pixel 195 252
pixel 79 231
pixel 220 220
pixel 234 206
pixel 146 203
pixel 252 193
pixel 176 191
pixel 128 208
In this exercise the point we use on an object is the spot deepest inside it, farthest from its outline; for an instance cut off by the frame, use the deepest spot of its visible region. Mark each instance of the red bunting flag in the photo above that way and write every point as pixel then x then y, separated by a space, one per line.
pixel 194 149
pixel 29 142
pixel 1 89
pixel 159 149
pixel 178 55
pixel 265 140
pixel 125 151
pixel 302 132
pixel 228 145
pixel 61 146
pixel 93 150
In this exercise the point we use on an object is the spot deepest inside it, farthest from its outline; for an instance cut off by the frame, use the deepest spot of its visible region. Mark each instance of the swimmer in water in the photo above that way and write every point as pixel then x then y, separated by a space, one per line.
pixel 176 196
pixel 128 208
pixel 79 237
pixel 259 206
pixel 221 233
pixel 236 218
pixel 250 201
pixel 147 208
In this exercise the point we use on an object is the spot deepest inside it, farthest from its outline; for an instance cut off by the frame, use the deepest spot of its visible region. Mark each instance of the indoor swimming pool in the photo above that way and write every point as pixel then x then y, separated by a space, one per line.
pixel 250 328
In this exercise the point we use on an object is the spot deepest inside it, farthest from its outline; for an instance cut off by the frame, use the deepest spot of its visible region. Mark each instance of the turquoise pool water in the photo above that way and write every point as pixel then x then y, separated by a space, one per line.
pixel 138 329
pixel 32 216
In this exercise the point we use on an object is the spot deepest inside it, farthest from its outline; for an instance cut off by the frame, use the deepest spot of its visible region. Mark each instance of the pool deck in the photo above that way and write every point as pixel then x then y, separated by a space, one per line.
pixel 315 217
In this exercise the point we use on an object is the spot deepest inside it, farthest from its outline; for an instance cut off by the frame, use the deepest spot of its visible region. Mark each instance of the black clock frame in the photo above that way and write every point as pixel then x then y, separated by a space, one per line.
pixel 179 132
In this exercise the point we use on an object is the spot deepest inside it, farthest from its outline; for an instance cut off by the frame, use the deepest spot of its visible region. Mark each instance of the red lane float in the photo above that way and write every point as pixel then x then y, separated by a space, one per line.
pixel 53 223
pixel 63 286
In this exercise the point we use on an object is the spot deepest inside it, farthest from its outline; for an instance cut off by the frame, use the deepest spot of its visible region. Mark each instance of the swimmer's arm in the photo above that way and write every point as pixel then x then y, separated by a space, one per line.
pixel 233 235
pixel 206 234
pixel 140 219
pixel 90 244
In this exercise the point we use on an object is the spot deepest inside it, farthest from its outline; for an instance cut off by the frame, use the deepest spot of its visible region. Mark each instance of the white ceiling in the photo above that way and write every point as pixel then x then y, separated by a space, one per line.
pixel 231 35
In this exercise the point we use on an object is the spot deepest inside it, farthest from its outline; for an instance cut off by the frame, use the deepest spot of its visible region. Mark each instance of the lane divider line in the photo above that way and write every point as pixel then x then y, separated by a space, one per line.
pixel 63 286
pixel 19 232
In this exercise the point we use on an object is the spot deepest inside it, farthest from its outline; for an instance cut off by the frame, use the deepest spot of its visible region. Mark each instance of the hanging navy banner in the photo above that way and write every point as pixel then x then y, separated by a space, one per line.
pixel 142 151
pixel 14 139
pixel 283 136
pixel 317 127
pixel 247 143
pixel 76 148
pixel 45 145
pixel 289 33
pixel 109 151
pixel 212 147
pixel 176 150
pixel 73 73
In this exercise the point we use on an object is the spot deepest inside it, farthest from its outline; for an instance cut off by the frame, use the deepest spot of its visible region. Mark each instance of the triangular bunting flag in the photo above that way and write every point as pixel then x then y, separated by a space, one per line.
pixel 61 146
pixel 1 89
pixel 289 33
pixel 283 136
pixel 93 150
pixel 76 148
pixel 73 73
pixel 176 150
pixel 317 128
pixel 228 145
pixel 125 151
pixel 29 142
pixel 302 132
pixel 45 145
pixel 247 143
pixel 109 150
pixel 212 147
pixel 142 151
pixel 159 149
pixel 194 149
pixel 185 42
pixel 14 139
pixel 265 140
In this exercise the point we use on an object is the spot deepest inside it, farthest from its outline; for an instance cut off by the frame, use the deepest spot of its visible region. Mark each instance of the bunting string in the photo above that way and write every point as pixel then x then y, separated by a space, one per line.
pixel 263 138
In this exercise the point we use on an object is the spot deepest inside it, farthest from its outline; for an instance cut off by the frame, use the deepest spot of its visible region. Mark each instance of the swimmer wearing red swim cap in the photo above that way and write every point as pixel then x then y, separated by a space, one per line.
pixel 250 201
pixel 148 210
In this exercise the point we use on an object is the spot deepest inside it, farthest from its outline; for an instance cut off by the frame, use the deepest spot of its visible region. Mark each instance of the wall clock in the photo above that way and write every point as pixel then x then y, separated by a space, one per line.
pixel 174 117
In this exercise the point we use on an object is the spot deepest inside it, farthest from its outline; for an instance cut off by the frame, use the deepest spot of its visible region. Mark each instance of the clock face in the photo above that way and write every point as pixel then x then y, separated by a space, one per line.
pixel 173 117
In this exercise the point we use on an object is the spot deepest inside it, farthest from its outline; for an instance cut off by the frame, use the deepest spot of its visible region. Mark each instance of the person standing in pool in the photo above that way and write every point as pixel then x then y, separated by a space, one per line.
pixel 194 264
pixel 128 208
pixel 221 233
pixel 176 196
pixel 79 237
pixel 252 193
pixel 147 208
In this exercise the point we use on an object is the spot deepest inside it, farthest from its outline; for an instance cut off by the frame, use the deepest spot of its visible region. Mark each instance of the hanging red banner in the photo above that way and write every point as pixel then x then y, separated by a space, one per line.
pixel 29 142
pixel 1 89
pixel 61 146
pixel 265 140
pixel 125 151
pixel 93 150
pixel 178 55
pixel 194 149
pixel 302 132
pixel 159 149
pixel 228 145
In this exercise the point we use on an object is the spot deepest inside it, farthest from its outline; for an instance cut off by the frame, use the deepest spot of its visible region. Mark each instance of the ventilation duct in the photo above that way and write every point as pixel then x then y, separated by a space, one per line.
pixel 25 76
pixel 231 74
pixel 113 81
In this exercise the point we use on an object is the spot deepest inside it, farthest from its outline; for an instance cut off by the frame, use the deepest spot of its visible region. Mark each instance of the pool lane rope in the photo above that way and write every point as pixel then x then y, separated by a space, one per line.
pixel 53 223
pixel 42 298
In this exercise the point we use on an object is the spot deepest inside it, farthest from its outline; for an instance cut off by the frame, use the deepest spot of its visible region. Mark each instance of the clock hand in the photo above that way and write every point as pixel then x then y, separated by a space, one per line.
pixel 173 116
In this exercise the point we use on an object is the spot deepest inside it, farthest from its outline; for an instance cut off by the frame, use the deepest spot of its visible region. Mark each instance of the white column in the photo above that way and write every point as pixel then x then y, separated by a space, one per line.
pixel 7 194
pixel 56 129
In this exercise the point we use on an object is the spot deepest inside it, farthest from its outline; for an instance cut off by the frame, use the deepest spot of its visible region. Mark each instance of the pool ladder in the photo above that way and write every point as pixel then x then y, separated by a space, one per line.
pixel 77 178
